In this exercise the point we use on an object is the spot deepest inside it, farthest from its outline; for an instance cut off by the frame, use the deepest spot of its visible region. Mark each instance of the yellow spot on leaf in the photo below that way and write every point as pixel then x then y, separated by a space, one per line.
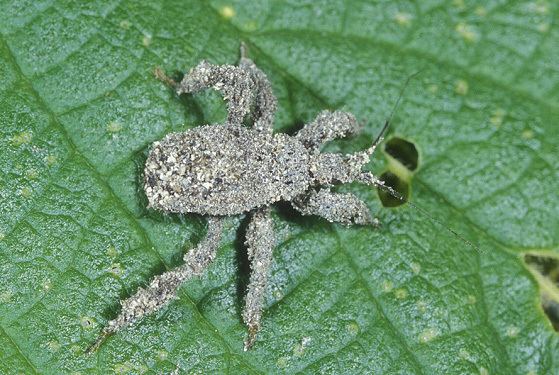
pixel 415 267
pixel 497 117
pixel 54 345
pixel 387 286
pixel 401 293
pixel 483 371
pixel 464 354
pixel 22 138
pixel 282 362
pixel 125 24
pixel 352 328
pixel 6 297
pixel 25 192
pixel 472 300
pixel 47 285
pixel 467 32
pixel 32 174
pixel 51 160
pixel 459 4
pixel 433 88
pixel 428 335
pixel 481 11
pixel 111 251
pixel 146 40
pixel 527 134
pixel 461 87
pixel 403 19
pixel 227 12
pixel 512 331
pixel 114 127
pixel 421 306
pixel 2 236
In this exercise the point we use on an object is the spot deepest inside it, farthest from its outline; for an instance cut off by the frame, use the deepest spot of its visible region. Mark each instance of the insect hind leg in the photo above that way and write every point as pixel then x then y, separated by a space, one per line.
pixel 163 288
pixel 260 244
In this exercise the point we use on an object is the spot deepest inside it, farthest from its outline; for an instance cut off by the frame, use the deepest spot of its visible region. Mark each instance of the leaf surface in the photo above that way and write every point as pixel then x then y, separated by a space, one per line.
pixel 79 107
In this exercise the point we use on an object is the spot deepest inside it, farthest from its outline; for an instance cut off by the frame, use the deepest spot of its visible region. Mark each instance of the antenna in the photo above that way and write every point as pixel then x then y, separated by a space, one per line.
pixel 380 136
pixel 369 179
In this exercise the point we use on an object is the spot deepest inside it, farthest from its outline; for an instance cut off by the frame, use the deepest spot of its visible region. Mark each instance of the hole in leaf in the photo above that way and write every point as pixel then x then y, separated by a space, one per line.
pixel 546 271
pixel 402 187
pixel 403 151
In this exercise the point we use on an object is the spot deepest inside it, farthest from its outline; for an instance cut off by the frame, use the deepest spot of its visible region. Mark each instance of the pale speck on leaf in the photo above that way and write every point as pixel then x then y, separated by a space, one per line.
pixel 512 331
pixel 467 32
pixel 387 286
pixel 125 24
pixel 146 40
pixel 403 19
pixel 114 127
pixel 401 293
pixel 461 87
pixel 227 12
pixel 428 335
pixel 22 138
pixel 497 117
pixel 481 11
pixel 527 134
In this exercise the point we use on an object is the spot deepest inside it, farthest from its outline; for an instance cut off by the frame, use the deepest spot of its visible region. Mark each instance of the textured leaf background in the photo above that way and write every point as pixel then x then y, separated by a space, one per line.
pixel 79 107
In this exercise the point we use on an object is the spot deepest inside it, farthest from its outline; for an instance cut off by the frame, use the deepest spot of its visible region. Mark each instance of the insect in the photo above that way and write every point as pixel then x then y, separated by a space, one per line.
pixel 229 169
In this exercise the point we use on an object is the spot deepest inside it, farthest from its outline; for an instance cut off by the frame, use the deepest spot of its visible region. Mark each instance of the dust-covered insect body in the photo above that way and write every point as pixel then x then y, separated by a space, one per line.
pixel 228 169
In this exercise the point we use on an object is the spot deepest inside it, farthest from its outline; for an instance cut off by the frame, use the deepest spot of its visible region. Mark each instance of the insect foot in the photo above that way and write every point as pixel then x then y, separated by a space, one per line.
pixel 222 170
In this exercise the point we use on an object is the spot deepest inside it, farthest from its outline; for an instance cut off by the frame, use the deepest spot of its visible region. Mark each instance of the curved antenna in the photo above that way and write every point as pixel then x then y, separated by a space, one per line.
pixel 369 179
pixel 380 136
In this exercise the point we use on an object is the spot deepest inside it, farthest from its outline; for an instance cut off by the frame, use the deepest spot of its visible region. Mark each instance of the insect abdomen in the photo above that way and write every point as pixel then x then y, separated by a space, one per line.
pixel 224 170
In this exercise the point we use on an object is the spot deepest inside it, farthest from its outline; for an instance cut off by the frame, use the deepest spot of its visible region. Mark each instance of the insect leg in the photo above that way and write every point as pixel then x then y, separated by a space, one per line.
pixel 163 288
pixel 326 127
pixel 236 84
pixel 260 243
pixel 335 207
pixel 265 101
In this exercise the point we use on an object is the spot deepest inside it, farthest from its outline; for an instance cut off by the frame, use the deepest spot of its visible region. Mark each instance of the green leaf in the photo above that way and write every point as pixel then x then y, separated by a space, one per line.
pixel 79 107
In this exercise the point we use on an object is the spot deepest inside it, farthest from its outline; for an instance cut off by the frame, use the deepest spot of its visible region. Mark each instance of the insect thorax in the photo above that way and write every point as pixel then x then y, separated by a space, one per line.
pixel 224 170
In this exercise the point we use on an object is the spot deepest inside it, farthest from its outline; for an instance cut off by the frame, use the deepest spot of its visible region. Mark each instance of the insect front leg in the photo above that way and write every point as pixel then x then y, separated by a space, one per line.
pixel 163 288
pixel 327 126
pixel 260 241
pixel 343 208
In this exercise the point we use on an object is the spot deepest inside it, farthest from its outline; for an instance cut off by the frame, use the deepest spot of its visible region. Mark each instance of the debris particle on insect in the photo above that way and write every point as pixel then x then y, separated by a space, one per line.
pixel 229 169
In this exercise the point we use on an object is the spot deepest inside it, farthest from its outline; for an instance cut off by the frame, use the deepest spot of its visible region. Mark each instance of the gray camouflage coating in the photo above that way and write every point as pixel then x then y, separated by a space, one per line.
pixel 228 169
